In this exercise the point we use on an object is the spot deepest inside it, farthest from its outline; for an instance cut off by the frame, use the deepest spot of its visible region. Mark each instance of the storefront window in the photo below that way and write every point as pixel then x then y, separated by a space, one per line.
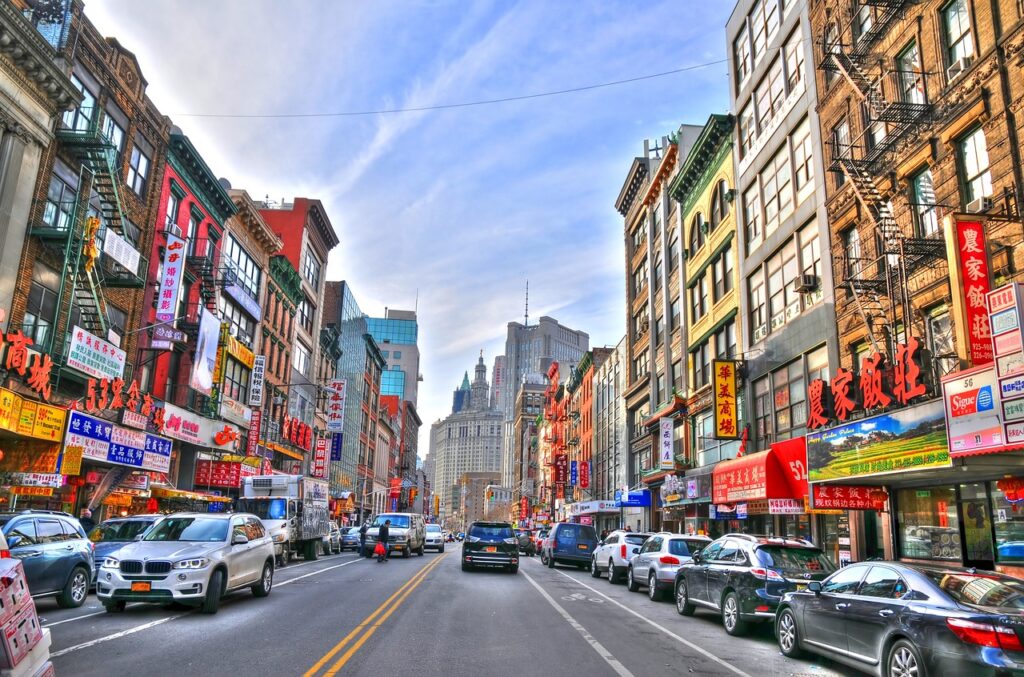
pixel 795 526
pixel 1009 527
pixel 929 528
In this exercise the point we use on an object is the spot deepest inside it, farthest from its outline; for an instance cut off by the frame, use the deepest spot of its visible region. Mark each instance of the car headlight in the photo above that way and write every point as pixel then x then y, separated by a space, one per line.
pixel 197 563
pixel 280 538
pixel 400 538
pixel 110 563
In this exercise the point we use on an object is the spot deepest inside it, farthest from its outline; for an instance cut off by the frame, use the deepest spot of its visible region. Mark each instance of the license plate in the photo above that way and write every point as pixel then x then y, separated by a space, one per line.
pixel 582 546
pixel 141 586
pixel 801 586
pixel 490 548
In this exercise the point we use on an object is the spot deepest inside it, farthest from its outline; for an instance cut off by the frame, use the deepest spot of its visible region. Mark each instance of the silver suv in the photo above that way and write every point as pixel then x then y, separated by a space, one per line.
pixel 613 553
pixel 192 558
pixel 659 559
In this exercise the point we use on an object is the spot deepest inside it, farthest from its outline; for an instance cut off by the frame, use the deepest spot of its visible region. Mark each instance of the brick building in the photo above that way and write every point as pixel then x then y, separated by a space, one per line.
pixel 284 292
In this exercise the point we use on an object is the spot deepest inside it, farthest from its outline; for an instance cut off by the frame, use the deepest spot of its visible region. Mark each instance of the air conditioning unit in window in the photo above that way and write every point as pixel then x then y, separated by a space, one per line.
pixel 979 206
pixel 806 284
pixel 173 229
pixel 958 67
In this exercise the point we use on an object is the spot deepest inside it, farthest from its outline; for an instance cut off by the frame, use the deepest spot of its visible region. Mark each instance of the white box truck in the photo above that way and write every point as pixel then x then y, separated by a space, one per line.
pixel 294 510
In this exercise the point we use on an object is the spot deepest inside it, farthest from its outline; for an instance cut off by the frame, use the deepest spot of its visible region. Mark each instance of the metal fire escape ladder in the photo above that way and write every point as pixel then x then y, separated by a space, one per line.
pixel 889 10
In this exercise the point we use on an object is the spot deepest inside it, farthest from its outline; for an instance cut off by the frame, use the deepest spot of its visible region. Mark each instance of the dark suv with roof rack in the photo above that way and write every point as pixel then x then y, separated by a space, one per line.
pixel 743 577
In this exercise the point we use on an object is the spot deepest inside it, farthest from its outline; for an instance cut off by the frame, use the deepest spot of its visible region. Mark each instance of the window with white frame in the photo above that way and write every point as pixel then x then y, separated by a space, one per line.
pixel 723 268
pixel 301 359
pixel 909 75
pixel 794 54
pixel 922 197
pixel 741 56
pixel 777 188
pixel 803 158
pixel 956 29
pixel 974 166
pixel 764 19
pixel 138 171
pixel 752 217
pixel 311 269
pixel 246 269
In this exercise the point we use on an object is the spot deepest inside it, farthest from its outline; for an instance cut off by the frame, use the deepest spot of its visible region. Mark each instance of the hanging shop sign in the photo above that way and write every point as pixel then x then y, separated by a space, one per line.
pixel 584 474
pixel 204 361
pixel 319 468
pixel 336 445
pixel 336 405
pixel 561 468
pixel 666 454
pixel 726 407
pixel 845 497
pixel 104 441
pixel 93 356
pixel 224 474
pixel 170 278
pixel 297 432
pixel 573 473
pixel 135 481
pixel 972 411
pixel 252 440
pixel 1006 309
pixel 907 439
pixel 30 418
pixel 238 350
pixel 878 386
pixel 36 479
pixel 235 411
pixel 395 490
pixel 167 334
pixel 972 266
pixel 785 506
pixel 186 426
pixel 242 298
pixel 256 381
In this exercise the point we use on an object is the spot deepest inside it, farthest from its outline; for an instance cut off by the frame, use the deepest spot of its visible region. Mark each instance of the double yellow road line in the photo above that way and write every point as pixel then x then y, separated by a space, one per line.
pixel 370 624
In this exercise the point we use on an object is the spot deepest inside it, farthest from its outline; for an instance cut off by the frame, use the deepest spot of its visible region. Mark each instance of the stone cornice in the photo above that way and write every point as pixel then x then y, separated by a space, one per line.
pixel 30 53
pixel 190 164
pixel 250 217
pixel 287 278
pixel 322 225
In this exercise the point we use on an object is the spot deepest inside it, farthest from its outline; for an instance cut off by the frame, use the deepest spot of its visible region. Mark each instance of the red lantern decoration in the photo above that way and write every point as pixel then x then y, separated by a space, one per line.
pixel 152 505
pixel 878 498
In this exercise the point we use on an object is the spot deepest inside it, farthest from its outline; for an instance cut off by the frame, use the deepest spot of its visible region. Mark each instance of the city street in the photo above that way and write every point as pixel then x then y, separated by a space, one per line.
pixel 418 616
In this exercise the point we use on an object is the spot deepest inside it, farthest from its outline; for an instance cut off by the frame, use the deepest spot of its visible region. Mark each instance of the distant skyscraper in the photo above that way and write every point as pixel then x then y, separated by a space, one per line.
pixel 396 334
pixel 498 383
pixel 460 398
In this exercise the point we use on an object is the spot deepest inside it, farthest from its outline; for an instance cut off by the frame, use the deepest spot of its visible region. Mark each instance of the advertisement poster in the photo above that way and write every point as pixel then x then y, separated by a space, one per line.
pixel 256 381
pixel 907 439
pixel 972 411
pixel 92 355
pixel 204 362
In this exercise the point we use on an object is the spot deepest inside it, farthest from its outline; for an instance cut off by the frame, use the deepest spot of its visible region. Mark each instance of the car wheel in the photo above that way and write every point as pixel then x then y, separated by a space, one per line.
pixel 595 571
pixel 262 589
pixel 631 583
pixel 407 553
pixel 683 605
pixel 75 590
pixel 785 631
pixel 652 588
pixel 441 549
pixel 904 660
pixel 114 607
pixel 612 576
pixel 213 592
pixel 325 549
pixel 734 625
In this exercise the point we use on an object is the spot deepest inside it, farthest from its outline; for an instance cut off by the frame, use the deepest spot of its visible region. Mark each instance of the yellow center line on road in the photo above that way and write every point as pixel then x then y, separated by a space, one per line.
pixel 368 622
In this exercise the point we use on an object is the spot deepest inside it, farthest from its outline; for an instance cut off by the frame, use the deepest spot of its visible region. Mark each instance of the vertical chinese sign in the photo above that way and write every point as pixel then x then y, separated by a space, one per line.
pixel 256 381
pixel 1005 313
pixel 974 283
pixel 665 453
pixel 726 408
pixel 336 405
pixel 320 458
pixel 584 474
pixel 170 278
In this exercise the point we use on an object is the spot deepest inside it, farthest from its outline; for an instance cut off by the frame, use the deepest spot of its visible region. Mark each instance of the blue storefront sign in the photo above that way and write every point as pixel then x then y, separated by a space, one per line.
pixel 636 499
pixel 336 446
pixel 572 473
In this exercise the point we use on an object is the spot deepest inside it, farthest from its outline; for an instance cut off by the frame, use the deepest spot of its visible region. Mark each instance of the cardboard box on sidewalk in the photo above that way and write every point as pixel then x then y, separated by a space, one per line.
pixel 20 635
pixel 13 588
pixel 34 662
pixel 45 670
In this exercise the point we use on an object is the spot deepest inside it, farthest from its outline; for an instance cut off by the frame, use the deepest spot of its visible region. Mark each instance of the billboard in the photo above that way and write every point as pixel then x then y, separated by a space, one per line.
pixel 204 363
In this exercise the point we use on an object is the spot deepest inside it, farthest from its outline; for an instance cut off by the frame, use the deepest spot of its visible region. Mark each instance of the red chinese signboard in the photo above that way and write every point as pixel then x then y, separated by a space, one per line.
pixel 320 458
pixel 561 468
pixel 297 432
pixel 396 487
pixel 975 277
pixel 252 442
pixel 524 507
pixel 218 474
pixel 835 496
pixel 725 401
pixel 584 474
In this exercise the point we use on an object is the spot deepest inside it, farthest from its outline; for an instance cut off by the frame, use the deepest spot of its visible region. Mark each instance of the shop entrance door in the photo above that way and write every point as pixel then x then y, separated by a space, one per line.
pixel 976 526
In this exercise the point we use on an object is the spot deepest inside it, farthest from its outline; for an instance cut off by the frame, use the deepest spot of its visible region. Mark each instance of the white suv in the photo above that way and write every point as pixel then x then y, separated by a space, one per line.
pixel 658 561
pixel 614 552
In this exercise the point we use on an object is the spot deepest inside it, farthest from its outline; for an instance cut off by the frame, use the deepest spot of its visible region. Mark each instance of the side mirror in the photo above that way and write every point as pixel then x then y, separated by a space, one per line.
pixel 239 539
pixel 815 587
pixel 696 558
pixel 13 541
pixel 138 537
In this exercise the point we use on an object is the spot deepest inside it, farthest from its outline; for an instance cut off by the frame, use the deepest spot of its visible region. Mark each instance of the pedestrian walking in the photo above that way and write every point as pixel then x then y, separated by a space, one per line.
pixel 382 538
pixel 362 539
pixel 629 528
pixel 86 520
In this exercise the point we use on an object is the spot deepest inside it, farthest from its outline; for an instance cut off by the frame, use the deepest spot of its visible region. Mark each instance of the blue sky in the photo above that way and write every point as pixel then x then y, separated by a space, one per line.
pixel 462 205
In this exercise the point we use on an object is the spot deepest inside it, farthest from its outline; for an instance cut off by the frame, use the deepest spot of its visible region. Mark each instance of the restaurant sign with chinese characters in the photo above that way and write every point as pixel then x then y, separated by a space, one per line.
pixel 103 441
pixel 336 405
pixel 878 385
pixel 845 497
pixel 726 409
pixel 973 270
pixel 1006 311
pixel 93 356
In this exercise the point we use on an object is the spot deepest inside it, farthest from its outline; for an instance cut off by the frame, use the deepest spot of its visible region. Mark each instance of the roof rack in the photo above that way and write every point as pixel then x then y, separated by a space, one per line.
pixel 44 512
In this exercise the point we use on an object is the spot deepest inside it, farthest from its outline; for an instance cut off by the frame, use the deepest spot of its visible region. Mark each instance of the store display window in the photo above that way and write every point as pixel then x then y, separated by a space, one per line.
pixel 928 523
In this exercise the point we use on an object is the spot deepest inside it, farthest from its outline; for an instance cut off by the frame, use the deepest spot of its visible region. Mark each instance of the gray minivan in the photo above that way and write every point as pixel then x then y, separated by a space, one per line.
pixel 570 543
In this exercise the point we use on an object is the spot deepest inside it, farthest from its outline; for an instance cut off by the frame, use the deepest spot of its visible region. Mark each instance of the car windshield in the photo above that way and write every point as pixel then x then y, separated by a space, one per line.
pixel 434 528
pixel 789 559
pixel 206 529
pixel 118 530
pixel 685 548
pixel 991 590
pixel 399 521
pixel 636 539
pixel 490 531
pixel 265 509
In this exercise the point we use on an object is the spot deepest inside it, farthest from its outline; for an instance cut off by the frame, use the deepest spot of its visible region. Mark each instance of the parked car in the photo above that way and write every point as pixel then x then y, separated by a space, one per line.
pixel 350 538
pixel 332 541
pixel 526 546
pixel 113 534
pixel 570 543
pixel 192 558
pixel 613 553
pixel 435 537
pixel 743 577
pixel 659 559
pixel 490 544
pixel 407 532
pixel 904 619
pixel 538 539
pixel 56 554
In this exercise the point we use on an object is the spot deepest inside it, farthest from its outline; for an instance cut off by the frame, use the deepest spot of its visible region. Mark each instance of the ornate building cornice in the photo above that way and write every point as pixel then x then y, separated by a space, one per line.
pixel 32 55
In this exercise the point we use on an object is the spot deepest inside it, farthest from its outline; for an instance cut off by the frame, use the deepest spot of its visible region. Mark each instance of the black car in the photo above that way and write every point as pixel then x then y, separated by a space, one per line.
pixel 743 577
pixel 893 618
pixel 526 546
pixel 490 544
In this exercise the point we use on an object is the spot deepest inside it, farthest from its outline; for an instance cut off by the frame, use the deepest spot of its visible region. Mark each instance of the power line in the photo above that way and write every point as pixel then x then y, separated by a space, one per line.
pixel 463 104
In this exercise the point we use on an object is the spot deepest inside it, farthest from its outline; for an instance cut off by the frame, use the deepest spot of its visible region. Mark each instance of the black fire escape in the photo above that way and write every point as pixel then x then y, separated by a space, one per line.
pixel 864 159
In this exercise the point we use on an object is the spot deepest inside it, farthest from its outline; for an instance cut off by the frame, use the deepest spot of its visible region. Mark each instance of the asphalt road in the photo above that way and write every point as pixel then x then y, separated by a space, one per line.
pixel 418 616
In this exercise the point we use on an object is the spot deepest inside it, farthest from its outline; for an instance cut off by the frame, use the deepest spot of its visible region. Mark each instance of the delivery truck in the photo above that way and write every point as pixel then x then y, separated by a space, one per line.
pixel 293 509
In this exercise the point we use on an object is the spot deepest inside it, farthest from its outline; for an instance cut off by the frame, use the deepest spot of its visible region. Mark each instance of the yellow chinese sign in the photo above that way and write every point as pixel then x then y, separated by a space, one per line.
pixel 726 409
pixel 29 418
pixel 240 352
pixel 32 491
pixel 71 460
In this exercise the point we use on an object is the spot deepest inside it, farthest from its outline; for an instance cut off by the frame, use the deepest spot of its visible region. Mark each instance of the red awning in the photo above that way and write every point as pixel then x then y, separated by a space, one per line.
pixel 780 472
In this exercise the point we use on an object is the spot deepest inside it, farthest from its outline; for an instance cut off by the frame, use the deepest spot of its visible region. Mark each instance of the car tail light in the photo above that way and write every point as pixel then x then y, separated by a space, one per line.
pixel 763 607
pixel 766 574
pixel 668 559
pixel 985 634
pixel 623 550
pixel 5 554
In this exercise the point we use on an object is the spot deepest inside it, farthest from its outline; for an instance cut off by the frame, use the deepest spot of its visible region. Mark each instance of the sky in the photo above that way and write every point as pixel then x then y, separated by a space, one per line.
pixel 446 211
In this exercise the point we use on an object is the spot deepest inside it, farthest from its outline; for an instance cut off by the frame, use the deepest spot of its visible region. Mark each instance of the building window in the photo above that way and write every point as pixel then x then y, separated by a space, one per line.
pixel 171 212
pixel 852 253
pixel 922 196
pixel 803 156
pixel 831 46
pixel 810 261
pixel 956 26
pixel 777 187
pixel 236 380
pixel 764 20
pixel 306 315
pixel 301 359
pixel 247 271
pixel 677 375
pixel 783 301
pixel 241 325
pixel 138 171
pixel 725 341
pixel 676 312
pixel 674 253
pixel 909 75
pixel 640 366
pixel 748 130
pixel 117 319
pixel 841 147
pixel 42 304
pixel 719 203
pixel 940 341
pixel 863 20
pixel 762 413
pixel 973 156
pixel 699 298
pixel 723 269
pixel 697 233
pixel 752 216
pixel 788 392
pixel 114 134
pixel 640 278
pixel 80 118
pixel 60 204
pixel 657 272
pixel 794 52
pixel 758 306
pixel 311 269
pixel 741 55
pixel 397 354
pixel 701 366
